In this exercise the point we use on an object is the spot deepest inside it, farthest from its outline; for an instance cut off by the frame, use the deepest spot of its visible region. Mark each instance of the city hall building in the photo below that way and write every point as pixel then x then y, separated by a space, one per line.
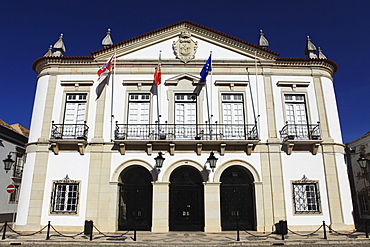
pixel 253 139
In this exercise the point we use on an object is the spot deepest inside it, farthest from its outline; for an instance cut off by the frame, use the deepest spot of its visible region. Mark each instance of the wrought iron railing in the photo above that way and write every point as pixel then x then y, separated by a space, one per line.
pixel 186 132
pixel 69 131
pixel 301 132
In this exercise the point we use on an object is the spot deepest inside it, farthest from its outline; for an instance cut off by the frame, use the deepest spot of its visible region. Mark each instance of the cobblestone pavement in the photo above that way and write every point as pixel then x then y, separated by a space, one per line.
pixel 187 239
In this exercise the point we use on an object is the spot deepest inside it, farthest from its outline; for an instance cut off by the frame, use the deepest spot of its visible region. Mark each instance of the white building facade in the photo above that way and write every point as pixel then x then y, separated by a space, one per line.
pixel 13 139
pixel 271 122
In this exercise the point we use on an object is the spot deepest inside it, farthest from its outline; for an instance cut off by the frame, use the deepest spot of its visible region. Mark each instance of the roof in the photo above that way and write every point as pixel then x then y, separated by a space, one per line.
pixel 191 25
pixel 186 23
pixel 362 137
pixel 16 127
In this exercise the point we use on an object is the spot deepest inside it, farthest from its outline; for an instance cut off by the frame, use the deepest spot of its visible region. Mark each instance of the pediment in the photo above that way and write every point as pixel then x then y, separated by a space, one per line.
pixel 173 81
pixel 166 40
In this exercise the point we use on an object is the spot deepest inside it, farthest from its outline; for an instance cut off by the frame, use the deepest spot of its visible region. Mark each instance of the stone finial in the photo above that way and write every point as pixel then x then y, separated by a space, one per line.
pixel 321 55
pixel 263 42
pixel 50 51
pixel 107 41
pixel 59 47
pixel 310 49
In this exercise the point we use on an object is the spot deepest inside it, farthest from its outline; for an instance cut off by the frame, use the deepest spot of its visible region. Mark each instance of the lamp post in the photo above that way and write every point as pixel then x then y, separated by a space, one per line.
pixel 363 164
pixel 159 161
pixel 212 160
pixel 8 163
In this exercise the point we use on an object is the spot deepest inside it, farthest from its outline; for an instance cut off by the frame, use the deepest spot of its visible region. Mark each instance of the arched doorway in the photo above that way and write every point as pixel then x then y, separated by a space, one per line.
pixel 237 199
pixel 135 199
pixel 186 200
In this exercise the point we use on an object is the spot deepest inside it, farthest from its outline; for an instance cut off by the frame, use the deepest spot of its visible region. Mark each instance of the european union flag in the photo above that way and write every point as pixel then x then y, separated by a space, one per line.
pixel 207 67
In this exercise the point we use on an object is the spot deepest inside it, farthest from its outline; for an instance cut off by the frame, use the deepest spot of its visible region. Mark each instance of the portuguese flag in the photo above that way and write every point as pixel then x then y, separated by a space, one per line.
pixel 158 72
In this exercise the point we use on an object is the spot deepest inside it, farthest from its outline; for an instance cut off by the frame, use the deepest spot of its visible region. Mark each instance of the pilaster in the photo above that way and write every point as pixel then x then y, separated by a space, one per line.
pixel 321 108
pixel 332 187
pixel 270 109
pixel 101 194
pixel 212 212
pixel 49 105
pixel 160 207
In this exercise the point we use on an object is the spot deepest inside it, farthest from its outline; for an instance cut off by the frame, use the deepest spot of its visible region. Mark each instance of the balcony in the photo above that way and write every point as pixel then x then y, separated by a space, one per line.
pixel 302 134
pixel 68 136
pixel 186 132
pixel 69 131
pixel 243 137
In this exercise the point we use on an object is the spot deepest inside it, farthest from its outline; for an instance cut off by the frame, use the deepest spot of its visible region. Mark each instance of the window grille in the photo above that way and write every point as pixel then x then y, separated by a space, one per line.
pixel 65 196
pixel 306 197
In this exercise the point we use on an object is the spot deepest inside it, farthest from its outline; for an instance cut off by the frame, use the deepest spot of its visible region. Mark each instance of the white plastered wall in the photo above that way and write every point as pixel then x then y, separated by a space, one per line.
pixel 294 167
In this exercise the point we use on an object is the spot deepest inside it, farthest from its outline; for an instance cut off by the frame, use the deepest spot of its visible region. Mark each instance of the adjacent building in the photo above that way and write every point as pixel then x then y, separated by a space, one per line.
pixel 13 139
pixel 358 155
pixel 252 140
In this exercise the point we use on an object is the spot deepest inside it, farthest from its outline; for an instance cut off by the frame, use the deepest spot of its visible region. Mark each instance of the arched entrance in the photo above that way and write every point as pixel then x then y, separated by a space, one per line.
pixel 186 200
pixel 237 199
pixel 135 199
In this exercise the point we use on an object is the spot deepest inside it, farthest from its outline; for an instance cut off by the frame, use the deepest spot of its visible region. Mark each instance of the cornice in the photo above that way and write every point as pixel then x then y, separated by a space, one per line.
pixel 47 61
pixel 327 64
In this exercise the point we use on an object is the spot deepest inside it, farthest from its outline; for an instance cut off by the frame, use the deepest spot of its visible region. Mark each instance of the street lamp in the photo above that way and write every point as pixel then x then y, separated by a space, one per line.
pixel 159 161
pixel 8 163
pixel 362 162
pixel 212 160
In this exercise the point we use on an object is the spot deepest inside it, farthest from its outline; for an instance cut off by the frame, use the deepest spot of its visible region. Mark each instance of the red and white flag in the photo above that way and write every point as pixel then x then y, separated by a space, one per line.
pixel 106 68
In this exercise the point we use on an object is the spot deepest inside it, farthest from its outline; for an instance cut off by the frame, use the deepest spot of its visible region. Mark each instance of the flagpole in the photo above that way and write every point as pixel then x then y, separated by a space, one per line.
pixel 250 91
pixel 258 104
pixel 209 117
pixel 211 91
pixel 111 103
pixel 158 115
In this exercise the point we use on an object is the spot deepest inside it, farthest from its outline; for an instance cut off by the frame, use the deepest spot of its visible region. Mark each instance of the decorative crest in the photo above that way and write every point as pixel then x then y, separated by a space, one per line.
pixel 321 55
pixel 107 41
pixel 310 49
pixel 185 48
pixel 263 42
pixel 304 178
pixel 50 51
pixel 66 179
pixel 59 47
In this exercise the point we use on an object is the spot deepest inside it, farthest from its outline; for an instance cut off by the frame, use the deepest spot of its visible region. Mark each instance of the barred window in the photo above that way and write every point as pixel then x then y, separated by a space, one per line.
pixel 65 197
pixel 306 197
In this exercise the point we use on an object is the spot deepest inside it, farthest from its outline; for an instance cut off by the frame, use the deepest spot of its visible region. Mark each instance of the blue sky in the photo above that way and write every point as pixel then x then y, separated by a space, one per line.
pixel 340 28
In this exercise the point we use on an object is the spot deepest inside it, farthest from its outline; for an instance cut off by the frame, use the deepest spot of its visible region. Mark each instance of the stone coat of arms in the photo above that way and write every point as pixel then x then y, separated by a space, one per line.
pixel 185 48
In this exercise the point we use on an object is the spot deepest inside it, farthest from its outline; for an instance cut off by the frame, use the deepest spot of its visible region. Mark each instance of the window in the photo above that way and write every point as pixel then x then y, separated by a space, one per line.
pixel 65 196
pixel 75 108
pixel 233 116
pixel 185 116
pixel 13 198
pixel 74 116
pixel 138 108
pixel 296 116
pixel 18 168
pixel 306 197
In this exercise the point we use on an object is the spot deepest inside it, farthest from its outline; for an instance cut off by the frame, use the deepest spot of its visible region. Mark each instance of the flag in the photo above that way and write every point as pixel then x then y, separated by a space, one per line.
pixel 101 85
pixel 107 67
pixel 158 72
pixel 206 68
